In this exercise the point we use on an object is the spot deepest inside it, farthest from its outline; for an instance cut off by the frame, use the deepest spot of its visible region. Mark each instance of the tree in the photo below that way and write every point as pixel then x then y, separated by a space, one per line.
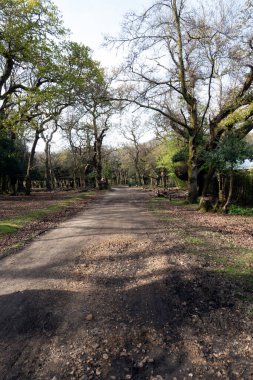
pixel 12 162
pixel 133 131
pixel 169 154
pixel 230 152
pixel 35 109
pixel 47 137
pixel 180 55
pixel 97 113
pixel 29 31
pixel 80 139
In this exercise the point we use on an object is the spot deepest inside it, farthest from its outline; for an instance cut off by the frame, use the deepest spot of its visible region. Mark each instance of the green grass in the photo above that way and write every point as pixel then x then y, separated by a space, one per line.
pixel 7 228
pixel 195 240
pixel 174 201
pixel 179 202
pixel 242 264
pixel 11 225
pixel 237 210
pixel 157 201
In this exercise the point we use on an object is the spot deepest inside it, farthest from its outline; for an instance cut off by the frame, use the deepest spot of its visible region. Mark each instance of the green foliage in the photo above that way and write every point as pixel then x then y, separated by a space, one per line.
pixel 12 154
pixel 28 28
pixel 231 151
pixel 237 210
pixel 194 240
pixel 179 202
pixel 7 229
pixel 80 74
pixel 181 155
pixel 28 56
pixel 165 152
pixel 40 72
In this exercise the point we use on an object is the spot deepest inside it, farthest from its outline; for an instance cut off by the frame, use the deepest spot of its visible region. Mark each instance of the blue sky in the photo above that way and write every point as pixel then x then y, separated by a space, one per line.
pixel 89 20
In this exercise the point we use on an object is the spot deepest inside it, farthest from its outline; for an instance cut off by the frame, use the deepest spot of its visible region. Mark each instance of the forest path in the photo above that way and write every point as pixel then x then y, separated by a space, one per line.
pixel 110 294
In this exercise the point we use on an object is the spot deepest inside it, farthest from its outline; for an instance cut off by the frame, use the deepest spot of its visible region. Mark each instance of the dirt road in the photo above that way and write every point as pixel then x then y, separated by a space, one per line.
pixel 110 294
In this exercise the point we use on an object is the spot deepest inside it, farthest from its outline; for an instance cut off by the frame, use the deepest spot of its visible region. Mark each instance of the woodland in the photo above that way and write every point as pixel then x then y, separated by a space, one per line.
pixel 186 75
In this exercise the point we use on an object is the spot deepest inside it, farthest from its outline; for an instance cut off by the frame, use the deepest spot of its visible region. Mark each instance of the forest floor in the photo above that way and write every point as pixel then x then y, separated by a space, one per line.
pixel 133 287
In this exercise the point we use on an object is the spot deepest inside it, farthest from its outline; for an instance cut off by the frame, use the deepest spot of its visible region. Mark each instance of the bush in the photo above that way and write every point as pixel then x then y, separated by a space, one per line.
pixel 237 210
pixel 182 156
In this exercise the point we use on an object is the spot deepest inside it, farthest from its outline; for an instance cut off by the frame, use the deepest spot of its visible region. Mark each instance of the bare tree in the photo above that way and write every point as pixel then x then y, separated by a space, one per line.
pixel 133 131
pixel 97 113
pixel 80 139
pixel 48 137
pixel 192 65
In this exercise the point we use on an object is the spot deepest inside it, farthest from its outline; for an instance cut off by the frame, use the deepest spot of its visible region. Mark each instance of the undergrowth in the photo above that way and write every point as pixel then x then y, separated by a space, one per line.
pixel 237 210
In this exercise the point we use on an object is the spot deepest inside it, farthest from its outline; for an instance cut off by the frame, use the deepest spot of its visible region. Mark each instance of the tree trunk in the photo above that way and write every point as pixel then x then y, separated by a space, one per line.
pixel 4 184
pixel 230 192
pixel 50 183
pixel 52 177
pixel 85 174
pixel 138 176
pixel 207 181
pixel 99 176
pixel 221 184
pixel 192 172
pixel 13 183
pixel 21 188
pixel 28 181
pixel 137 161
pixel 47 168
pixel 28 185
pixel 98 163
pixel 221 192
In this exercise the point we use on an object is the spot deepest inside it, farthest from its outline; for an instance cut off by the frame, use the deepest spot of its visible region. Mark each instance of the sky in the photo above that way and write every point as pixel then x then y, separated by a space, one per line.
pixel 90 20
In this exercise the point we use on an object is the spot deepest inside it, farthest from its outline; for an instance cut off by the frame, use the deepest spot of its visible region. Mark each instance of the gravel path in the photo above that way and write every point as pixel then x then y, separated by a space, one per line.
pixel 111 294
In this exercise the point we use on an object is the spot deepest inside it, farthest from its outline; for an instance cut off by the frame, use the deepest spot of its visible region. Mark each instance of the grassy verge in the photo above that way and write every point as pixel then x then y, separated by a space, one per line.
pixel 12 225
